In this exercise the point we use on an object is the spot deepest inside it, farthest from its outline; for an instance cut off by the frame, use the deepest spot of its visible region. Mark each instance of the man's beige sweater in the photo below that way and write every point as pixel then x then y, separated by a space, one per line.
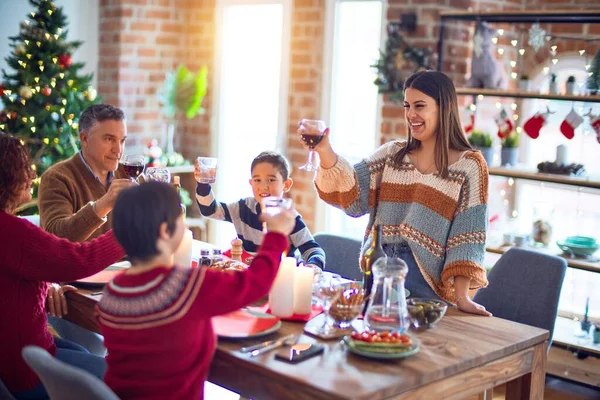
pixel 65 195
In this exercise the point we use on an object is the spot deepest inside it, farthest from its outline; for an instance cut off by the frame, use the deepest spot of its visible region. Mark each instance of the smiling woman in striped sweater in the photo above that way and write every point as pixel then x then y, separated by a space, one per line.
pixel 429 193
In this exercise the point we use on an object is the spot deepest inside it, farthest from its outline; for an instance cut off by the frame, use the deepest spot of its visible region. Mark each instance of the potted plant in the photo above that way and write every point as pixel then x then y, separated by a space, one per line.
pixel 510 149
pixel 570 86
pixel 553 87
pixel 181 97
pixel 482 141
pixel 524 83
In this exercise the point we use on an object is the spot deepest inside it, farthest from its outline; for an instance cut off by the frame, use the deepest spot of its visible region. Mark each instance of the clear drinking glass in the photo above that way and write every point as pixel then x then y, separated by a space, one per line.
pixel 387 310
pixel 326 288
pixel 208 169
pixel 312 131
pixel 134 165
pixel 158 174
pixel 273 205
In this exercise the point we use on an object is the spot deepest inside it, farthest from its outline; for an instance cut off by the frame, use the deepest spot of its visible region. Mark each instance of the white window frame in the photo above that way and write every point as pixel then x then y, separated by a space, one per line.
pixel 327 83
pixel 215 124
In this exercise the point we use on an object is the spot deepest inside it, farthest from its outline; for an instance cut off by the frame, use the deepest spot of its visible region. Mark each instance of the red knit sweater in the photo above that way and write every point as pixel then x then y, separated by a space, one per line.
pixel 157 326
pixel 30 257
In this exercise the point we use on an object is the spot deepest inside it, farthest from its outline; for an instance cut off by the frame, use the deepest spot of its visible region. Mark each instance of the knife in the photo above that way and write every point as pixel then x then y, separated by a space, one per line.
pixel 259 346
pixel 282 342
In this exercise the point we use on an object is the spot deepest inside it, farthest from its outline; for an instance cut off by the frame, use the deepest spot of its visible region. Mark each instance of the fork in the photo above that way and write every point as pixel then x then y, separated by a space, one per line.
pixel 289 341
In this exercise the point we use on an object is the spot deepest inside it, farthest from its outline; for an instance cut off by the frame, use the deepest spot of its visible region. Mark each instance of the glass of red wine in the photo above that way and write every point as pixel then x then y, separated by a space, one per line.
pixel 134 165
pixel 312 131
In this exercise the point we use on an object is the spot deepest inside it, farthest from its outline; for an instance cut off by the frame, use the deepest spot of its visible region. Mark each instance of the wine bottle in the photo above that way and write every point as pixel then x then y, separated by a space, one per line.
pixel 177 185
pixel 367 260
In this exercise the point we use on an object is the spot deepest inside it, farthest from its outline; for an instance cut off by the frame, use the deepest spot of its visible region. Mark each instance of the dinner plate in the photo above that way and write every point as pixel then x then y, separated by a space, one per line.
pixel 244 324
pixel 380 355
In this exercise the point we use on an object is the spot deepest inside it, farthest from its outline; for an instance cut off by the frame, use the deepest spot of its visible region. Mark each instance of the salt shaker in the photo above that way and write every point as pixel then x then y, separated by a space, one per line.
pixel 236 249
pixel 217 257
pixel 205 259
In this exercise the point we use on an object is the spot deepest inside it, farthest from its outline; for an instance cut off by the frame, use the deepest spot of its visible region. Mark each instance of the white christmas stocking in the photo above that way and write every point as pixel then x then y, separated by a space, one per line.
pixel 571 122
pixel 505 125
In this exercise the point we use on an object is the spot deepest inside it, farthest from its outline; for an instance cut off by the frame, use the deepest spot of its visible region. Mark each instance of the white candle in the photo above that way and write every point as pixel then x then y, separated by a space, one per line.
pixel 183 254
pixel 281 296
pixel 561 154
pixel 303 280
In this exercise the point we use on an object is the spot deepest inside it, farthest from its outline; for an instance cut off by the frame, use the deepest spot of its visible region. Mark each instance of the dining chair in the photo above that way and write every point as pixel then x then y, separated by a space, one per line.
pixel 63 381
pixel 4 393
pixel 524 286
pixel 342 254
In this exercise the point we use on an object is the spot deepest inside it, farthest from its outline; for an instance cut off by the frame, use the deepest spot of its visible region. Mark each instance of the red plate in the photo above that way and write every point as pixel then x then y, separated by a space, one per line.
pixel 100 279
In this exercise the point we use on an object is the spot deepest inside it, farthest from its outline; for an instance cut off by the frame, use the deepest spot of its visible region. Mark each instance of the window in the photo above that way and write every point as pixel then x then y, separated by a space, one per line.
pixel 351 98
pixel 250 93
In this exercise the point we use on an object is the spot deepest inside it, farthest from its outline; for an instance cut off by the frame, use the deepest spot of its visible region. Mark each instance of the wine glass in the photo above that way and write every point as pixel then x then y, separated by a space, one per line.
pixel 326 288
pixel 312 131
pixel 158 174
pixel 134 165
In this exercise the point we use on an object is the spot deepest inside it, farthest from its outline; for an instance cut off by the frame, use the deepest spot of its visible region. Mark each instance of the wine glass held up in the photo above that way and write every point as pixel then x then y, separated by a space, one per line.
pixel 312 132
pixel 134 165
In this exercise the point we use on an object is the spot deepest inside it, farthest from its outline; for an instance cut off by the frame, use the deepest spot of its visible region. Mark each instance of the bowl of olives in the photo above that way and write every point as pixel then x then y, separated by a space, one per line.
pixel 425 313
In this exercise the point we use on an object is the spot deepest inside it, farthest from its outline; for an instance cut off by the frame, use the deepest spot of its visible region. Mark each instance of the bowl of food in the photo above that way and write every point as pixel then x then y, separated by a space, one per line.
pixel 347 305
pixel 425 313
pixel 579 246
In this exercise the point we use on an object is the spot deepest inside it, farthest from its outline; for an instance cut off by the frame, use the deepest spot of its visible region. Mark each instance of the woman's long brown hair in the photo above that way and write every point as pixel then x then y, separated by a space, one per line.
pixel 449 134
pixel 15 171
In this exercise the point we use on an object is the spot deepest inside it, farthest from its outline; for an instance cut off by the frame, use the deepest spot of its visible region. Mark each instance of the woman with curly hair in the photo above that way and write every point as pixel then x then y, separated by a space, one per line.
pixel 30 259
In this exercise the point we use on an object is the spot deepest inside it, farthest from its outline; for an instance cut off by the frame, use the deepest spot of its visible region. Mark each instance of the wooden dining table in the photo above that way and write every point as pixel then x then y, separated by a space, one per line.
pixel 461 356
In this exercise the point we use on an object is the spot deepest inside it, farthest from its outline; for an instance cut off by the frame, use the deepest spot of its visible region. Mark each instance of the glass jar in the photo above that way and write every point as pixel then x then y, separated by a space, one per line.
pixel 204 260
pixel 387 309
pixel 217 257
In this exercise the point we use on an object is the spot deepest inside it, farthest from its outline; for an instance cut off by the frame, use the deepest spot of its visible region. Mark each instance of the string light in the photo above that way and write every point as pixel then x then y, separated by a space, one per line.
pixel 554 61
pixel 33 167
pixel 56 140
pixel 513 75
pixel 516 117
pixel 587 67
pixel 473 107
pixel 62 111
pixel 513 106
pixel 36 79
pixel 521 51
pixel 32 119
pixel 511 181
pixel 503 193
pixel 70 82
pixel 26 42
pixel 514 42
pixel 495 40
pixel 505 202
pixel 47 35
pixel 581 52
pixel 515 214
pixel 501 51
pixel 62 75
pixel 49 12
pixel 513 64
pixel 500 32
pixel 54 60
pixel 59 30
pixel 56 37
pixel 39 44
pixel 64 101
pixel 46 141
pixel 546 70
pixel 42 68
pixel 75 125
pixel 480 97
pixel 24 119
pixel 33 129
pixel 28 56
pixel 23 101
pixel 53 84
pixel 498 105
pixel 519 129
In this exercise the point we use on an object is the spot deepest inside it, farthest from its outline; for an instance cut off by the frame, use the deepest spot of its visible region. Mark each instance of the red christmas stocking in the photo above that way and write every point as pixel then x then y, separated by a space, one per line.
pixel 505 125
pixel 595 123
pixel 534 124
pixel 571 122
pixel 471 123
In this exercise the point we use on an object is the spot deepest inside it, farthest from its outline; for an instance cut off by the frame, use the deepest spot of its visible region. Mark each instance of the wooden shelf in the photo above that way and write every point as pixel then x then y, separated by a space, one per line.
pixel 581 181
pixel 505 16
pixel 564 334
pixel 525 95
pixel 571 262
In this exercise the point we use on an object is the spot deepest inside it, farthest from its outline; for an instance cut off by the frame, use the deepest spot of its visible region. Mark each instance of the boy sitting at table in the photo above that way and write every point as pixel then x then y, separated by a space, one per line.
pixel 270 176
pixel 155 316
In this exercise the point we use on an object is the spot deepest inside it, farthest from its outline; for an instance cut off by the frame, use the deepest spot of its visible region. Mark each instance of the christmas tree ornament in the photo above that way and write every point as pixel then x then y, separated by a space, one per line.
pixel 571 122
pixel 13 115
pixel 64 60
pixel 3 116
pixel 2 89
pixel 478 44
pixel 46 91
pixel 533 126
pixel 537 37
pixel 25 92
pixel 504 122
pixel 91 94
pixel 595 124
pixel 19 49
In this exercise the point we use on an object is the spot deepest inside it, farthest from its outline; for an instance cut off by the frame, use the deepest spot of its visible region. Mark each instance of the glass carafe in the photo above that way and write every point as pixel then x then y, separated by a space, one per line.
pixel 387 305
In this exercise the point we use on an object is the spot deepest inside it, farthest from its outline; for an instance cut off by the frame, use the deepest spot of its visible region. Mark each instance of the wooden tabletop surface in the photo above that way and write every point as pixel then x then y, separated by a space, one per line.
pixel 460 354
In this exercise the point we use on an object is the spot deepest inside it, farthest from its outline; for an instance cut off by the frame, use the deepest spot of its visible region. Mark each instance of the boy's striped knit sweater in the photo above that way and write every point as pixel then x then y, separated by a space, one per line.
pixel 442 220
pixel 244 216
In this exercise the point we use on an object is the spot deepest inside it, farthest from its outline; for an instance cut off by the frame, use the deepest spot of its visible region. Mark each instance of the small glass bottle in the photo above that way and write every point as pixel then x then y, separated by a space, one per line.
pixel 217 257
pixel 205 259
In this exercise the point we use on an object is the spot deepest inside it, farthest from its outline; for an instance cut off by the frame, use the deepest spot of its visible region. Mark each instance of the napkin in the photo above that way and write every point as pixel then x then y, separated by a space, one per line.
pixel 242 323
pixel 316 310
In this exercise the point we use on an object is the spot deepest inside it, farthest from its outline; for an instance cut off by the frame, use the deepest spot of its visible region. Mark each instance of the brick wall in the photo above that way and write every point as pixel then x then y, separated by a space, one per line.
pixel 142 39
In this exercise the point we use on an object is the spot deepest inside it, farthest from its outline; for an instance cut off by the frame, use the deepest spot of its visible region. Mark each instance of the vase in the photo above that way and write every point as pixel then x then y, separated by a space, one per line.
pixel 553 88
pixel 169 145
pixel 570 88
pixel 509 155
pixel 488 154
pixel 524 85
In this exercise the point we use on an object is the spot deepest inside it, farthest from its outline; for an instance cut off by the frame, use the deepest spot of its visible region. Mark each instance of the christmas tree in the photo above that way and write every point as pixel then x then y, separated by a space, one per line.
pixel 593 81
pixel 45 93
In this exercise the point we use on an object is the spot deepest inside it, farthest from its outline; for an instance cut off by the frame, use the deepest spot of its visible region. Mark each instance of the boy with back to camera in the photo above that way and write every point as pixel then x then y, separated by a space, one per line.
pixel 270 176
pixel 156 316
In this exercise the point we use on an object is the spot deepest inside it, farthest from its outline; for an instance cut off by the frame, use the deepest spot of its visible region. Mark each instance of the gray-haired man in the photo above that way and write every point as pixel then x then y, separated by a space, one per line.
pixel 77 195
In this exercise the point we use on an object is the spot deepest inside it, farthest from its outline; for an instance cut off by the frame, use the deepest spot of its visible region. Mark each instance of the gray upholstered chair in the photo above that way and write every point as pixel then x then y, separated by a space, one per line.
pixel 4 393
pixel 342 255
pixel 63 381
pixel 524 286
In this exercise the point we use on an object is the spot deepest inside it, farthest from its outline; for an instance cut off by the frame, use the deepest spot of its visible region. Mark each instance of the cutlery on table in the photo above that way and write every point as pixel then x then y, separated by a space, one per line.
pixel 282 342
pixel 259 346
